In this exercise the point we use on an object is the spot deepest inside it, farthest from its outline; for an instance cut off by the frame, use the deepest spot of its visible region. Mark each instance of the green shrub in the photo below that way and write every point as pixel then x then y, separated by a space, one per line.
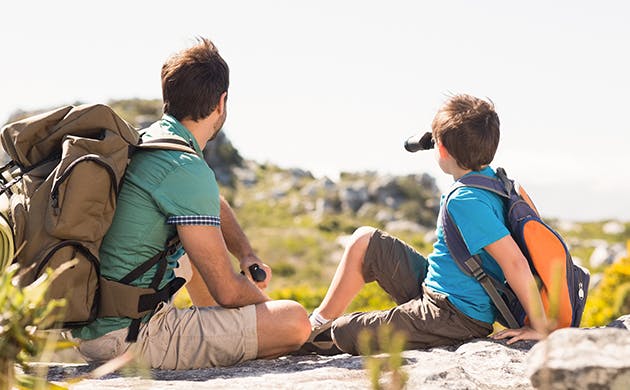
pixel 383 359
pixel 24 311
pixel 284 269
pixel 371 297
pixel 307 296
pixel 611 298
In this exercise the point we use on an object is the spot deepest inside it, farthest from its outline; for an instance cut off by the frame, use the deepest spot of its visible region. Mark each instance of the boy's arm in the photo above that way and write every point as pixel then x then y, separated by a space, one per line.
pixel 207 252
pixel 520 278
pixel 238 244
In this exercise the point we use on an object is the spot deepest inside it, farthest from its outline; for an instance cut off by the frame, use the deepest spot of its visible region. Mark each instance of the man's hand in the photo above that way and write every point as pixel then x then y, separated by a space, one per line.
pixel 207 252
pixel 246 262
pixel 524 333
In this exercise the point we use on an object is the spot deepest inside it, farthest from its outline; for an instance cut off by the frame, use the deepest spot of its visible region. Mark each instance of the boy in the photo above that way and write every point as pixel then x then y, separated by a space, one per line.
pixel 437 303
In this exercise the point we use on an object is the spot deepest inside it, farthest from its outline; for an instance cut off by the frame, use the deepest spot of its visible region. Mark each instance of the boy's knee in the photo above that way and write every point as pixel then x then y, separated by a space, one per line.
pixel 361 237
pixel 363 233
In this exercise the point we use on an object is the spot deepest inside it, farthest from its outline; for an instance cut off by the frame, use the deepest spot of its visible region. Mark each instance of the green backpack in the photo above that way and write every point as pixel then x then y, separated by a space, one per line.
pixel 59 194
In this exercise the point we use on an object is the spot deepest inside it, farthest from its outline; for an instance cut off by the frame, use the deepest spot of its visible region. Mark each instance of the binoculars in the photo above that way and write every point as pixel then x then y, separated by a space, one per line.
pixel 417 142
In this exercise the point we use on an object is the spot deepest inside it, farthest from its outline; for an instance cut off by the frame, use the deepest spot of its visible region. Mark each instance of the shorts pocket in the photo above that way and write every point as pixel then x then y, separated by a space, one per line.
pixel 104 348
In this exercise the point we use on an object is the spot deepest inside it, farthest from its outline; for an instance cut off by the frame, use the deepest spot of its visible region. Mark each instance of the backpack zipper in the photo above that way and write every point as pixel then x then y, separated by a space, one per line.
pixel 54 193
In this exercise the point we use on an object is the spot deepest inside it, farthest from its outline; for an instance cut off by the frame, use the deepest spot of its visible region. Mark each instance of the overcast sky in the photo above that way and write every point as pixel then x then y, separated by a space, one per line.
pixel 332 86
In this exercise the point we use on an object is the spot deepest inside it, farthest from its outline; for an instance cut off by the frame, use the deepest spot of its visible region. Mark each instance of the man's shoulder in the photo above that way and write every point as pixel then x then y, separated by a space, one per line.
pixel 167 162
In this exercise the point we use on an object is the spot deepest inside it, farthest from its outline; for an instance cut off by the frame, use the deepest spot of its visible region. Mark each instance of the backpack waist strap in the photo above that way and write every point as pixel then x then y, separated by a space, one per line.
pixel 122 300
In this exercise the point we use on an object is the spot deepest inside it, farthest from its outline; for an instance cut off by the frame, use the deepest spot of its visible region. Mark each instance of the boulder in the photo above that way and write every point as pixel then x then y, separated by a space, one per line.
pixel 583 358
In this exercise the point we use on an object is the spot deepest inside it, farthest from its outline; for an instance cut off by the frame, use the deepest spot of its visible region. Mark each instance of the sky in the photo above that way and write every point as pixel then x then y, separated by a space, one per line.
pixel 332 86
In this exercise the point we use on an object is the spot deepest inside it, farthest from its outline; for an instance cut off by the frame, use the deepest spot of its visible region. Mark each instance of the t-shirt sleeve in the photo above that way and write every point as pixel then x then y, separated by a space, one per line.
pixel 476 219
pixel 189 195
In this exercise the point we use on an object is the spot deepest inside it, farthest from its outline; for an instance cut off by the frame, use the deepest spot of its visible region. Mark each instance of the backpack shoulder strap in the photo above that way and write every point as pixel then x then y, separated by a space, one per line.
pixel 452 235
pixel 167 143
pixel 487 183
pixel 469 264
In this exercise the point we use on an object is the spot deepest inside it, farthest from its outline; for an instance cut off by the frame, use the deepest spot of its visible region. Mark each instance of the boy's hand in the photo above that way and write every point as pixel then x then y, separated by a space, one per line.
pixel 524 333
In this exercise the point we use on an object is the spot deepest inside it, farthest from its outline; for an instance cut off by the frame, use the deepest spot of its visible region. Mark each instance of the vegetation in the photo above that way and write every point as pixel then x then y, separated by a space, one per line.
pixel 611 298
pixel 371 297
pixel 382 357
pixel 24 311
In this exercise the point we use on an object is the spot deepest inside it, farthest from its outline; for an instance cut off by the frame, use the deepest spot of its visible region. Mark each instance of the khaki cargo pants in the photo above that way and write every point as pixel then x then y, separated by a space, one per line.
pixel 183 339
pixel 426 318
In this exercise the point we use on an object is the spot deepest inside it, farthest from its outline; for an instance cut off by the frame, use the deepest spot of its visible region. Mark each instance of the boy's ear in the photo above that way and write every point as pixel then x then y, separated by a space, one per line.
pixel 442 150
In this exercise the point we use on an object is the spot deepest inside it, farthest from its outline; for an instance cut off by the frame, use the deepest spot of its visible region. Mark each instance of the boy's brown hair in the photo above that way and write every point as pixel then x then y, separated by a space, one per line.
pixel 193 81
pixel 468 127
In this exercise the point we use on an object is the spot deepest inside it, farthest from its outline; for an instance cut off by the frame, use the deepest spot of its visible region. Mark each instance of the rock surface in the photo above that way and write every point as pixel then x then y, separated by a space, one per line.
pixel 597 358
pixel 482 363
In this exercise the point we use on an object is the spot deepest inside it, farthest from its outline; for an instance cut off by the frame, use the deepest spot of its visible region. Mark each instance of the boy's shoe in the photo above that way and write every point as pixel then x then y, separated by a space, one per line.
pixel 320 341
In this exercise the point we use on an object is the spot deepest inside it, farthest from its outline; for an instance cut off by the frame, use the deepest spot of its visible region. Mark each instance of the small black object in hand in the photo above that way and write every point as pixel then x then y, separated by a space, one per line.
pixel 258 274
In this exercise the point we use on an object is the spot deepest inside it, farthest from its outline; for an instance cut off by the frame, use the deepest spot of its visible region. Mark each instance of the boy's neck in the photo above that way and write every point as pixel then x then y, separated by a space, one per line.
pixel 458 172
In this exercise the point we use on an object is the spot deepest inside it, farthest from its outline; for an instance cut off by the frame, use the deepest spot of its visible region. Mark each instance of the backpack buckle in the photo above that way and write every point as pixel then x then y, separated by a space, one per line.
pixel 475 269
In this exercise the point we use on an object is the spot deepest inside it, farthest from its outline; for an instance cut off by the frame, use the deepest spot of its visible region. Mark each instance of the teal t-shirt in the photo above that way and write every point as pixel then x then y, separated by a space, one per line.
pixel 161 189
pixel 480 218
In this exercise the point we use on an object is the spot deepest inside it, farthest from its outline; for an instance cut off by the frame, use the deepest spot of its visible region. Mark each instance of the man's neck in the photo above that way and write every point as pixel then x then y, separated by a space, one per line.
pixel 199 130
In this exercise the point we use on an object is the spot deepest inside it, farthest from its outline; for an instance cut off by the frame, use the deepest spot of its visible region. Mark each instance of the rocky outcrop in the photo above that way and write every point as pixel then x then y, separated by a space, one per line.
pixel 223 158
pixel 583 358
pixel 597 358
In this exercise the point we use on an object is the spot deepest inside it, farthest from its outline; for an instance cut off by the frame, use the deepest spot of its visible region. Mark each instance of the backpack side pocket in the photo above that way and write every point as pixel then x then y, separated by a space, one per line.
pixel 78 285
pixel 83 195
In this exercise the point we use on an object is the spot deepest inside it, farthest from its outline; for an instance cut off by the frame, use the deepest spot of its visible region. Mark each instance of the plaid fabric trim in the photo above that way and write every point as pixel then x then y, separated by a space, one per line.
pixel 194 220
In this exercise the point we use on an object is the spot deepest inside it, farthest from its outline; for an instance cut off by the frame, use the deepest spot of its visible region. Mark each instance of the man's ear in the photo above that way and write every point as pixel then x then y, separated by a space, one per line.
pixel 222 103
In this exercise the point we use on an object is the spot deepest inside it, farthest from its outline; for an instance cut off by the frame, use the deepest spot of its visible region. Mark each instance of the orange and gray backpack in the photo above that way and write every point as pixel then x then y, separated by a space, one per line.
pixel 61 188
pixel 547 255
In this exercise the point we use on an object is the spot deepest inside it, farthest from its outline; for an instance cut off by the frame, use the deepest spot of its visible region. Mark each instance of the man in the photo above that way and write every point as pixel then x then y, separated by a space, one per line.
pixel 168 192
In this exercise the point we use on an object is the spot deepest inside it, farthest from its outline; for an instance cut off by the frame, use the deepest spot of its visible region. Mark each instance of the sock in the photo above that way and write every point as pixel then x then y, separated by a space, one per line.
pixel 316 319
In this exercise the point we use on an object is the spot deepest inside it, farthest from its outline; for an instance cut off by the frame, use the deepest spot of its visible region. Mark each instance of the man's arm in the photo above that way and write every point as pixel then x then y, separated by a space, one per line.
pixel 520 278
pixel 238 244
pixel 208 253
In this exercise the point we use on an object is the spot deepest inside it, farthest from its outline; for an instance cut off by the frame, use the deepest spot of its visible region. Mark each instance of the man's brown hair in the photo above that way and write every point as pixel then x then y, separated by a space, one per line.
pixel 193 81
pixel 469 129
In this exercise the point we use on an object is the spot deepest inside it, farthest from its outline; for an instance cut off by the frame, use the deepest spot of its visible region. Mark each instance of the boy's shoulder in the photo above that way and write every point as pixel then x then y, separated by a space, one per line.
pixel 464 196
pixel 470 205
pixel 460 192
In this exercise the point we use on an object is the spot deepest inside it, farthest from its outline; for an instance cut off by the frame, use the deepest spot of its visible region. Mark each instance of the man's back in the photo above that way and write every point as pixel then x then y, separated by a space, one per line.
pixel 159 187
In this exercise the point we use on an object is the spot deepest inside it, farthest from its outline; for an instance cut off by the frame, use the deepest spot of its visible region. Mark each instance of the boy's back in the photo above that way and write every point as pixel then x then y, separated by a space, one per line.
pixel 479 215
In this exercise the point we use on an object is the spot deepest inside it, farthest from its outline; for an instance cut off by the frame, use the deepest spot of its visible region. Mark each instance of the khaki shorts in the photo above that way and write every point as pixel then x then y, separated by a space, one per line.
pixel 426 318
pixel 182 339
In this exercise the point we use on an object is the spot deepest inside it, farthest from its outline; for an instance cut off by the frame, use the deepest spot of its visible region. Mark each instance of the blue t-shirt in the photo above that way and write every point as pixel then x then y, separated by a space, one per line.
pixel 480 218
